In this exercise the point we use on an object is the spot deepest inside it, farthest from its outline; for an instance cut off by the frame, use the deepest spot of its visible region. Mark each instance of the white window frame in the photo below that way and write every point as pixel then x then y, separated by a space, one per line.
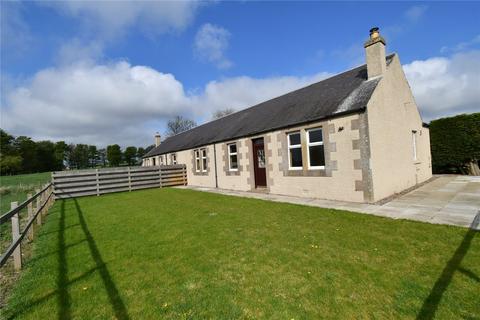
pixel 414 145
pixel 173 158
pixel 313 144
pixel 295 146
pixel 198 161
pixel 232 154
pixel 203 156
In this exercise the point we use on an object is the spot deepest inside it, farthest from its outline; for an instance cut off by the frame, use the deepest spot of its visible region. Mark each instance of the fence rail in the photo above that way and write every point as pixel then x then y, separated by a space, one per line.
pixel 69 184
pixel 43 199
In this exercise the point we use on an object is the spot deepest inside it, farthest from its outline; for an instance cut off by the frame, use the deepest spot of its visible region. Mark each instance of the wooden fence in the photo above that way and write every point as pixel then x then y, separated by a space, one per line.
pixel 69 184
pixel 36 208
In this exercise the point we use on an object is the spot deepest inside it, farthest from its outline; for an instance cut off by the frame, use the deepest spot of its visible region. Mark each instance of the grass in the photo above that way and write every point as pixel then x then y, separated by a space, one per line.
pixel 182 254
pixel 16 188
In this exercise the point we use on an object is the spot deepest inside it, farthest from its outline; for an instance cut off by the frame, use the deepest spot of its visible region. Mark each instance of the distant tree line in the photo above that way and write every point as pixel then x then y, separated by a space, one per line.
pixel 23 155
pixel 455 144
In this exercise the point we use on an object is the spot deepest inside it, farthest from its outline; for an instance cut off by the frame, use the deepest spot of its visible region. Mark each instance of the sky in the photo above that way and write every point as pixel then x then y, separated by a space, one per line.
pixel 103 72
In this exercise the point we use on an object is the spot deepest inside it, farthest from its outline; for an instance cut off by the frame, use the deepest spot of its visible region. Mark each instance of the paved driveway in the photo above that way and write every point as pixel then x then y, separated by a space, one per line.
pixel 448 199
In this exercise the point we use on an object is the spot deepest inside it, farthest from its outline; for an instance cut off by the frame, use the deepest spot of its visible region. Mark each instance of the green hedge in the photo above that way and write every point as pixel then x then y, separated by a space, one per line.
pixel 455 144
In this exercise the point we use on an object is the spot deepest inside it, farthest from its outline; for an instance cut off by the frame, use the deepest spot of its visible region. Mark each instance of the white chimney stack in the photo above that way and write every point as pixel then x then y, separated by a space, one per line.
pixel 375 52
pixel 157 139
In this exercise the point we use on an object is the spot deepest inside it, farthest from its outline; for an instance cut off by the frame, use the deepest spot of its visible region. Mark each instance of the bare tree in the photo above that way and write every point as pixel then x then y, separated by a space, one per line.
pixel 179 125
pixel 222 113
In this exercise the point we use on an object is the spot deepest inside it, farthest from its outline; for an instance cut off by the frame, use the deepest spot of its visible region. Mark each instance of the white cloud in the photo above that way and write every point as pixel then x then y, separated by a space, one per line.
pixel 462 46
pixel 93 103
pixel 210 45
pixel 446 86
pixel 76 50
pixel 120 103
pixel 241 92
pixel 416 12
pixel 111 19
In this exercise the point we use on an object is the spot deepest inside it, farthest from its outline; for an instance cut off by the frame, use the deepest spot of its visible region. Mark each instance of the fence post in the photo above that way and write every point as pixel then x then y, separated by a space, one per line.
pixel 129 181
pixel 17 253
pixel 44 199
pixel 30 215
pixel 52 190
pixel 52 198
pixel 184 175
pixel 39 215
pixel 98 184
pixel 160 176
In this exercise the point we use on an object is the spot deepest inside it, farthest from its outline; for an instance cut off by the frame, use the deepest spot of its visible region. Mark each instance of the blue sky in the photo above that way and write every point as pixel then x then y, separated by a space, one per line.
pixel 103 72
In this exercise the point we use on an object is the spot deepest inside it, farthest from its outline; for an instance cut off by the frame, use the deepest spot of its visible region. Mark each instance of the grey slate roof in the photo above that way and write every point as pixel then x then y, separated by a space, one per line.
pixel 347 92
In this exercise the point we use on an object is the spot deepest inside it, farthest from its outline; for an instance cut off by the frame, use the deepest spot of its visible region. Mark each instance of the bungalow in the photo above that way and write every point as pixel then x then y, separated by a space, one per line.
pixel 357 136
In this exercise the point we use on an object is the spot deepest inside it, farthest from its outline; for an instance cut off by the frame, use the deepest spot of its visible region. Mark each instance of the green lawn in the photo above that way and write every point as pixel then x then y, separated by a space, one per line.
pixel 16 188
pixel 182 254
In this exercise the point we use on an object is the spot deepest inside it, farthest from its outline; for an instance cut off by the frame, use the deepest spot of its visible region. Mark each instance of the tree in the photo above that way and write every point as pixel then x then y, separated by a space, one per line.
pixel 455 144
pixel 61 155
pixel 130 155
pixel 27 149
pixel 45 156
pixel 78 156
pixel 114 155
pixel 222 113
pixel 10 160
pixel 10 164
pixel 6 143
pixel 102 156
pixel 92 156
pixel 179 125
pixel 140 152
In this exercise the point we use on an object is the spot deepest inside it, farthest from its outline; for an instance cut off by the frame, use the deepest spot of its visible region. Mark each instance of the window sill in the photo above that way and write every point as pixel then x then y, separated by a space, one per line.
pixel 295 169
pixel 306 173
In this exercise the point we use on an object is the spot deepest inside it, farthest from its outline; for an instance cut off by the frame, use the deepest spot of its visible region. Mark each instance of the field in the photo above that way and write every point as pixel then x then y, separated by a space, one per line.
pixel 183 254
pixel 16 188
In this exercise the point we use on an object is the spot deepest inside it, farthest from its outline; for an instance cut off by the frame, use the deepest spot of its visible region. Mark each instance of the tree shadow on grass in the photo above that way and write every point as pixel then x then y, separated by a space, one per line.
pixel 430 305
pixel 113 294
pixel 64 300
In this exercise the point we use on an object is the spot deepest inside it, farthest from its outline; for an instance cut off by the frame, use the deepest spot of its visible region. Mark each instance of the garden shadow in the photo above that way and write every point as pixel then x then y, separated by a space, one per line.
pixel 430 305
pixel 113 294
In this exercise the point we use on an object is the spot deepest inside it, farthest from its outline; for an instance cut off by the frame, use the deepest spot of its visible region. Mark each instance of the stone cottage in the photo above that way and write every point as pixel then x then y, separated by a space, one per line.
pixel 357 136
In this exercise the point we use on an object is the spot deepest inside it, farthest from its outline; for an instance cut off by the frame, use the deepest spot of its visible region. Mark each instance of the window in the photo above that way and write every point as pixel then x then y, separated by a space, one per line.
pixel 414 144
pixel 294 151
pixel 204 159
pixel 161 160
pixel 232 157
pixel 197 161
pixel 173 158
pixel 153 161
pixel 316 155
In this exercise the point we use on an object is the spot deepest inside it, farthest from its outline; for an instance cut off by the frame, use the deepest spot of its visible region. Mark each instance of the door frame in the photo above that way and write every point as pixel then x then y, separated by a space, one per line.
pixel 256 183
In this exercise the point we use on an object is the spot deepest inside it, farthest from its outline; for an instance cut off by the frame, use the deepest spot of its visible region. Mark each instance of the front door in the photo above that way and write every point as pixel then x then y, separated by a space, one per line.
pixel 259 163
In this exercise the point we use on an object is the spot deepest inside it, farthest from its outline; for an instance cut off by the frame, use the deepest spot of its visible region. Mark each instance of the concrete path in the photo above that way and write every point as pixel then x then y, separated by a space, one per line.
pixel 453 200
